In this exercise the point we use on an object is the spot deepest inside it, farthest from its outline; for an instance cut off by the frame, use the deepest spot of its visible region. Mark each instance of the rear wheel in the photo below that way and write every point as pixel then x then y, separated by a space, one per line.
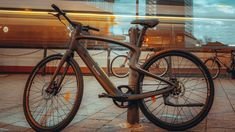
pixel 52 111
pixel 119 66
pixel 213 67
pixel 189 102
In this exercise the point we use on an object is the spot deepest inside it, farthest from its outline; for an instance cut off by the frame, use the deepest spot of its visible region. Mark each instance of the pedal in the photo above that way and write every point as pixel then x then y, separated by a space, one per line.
pixel 104 95
pixel 128 89
pixel 117 98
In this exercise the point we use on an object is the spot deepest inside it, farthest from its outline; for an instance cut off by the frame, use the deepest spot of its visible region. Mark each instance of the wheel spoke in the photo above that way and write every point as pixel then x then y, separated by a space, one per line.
pixel 48 110
pixel 171 110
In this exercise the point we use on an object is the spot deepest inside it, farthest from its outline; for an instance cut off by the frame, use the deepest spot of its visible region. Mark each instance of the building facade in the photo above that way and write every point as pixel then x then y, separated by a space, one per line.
pixel 176 27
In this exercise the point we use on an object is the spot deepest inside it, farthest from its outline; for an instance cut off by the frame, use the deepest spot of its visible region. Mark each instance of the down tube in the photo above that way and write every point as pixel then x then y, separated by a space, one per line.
pixel 99 74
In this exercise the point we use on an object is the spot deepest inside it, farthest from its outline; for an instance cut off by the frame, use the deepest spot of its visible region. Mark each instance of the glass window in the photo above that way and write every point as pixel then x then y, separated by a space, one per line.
pixel 183 23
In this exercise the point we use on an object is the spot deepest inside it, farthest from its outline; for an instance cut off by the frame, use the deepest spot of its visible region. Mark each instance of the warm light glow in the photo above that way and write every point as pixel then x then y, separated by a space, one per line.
pixel 146 39
pixel 110 15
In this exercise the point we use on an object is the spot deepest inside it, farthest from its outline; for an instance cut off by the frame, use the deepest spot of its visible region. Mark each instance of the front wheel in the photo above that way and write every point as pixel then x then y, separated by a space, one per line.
pixel 213 67
pixel 55 110
pixel 188 103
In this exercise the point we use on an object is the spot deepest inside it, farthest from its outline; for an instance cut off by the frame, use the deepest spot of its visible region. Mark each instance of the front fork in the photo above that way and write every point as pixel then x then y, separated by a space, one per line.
pixel 55 85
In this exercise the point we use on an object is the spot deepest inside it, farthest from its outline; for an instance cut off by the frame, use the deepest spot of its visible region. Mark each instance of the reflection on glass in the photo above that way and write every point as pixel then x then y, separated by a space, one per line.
pixel 183 23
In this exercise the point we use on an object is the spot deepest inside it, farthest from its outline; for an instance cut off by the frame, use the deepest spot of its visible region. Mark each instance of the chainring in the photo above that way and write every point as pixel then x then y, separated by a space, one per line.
pixel 123 104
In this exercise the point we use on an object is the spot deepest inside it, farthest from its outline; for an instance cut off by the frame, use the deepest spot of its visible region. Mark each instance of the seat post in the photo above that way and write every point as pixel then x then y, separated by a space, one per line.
pixel 141 36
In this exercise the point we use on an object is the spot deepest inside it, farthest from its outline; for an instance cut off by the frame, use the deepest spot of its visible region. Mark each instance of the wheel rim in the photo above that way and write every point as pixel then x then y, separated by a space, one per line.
pixel 119 66
pixel 213 67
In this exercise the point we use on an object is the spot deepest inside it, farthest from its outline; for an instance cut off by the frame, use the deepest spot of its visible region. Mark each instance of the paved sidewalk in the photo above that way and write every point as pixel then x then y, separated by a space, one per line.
pixel 102 115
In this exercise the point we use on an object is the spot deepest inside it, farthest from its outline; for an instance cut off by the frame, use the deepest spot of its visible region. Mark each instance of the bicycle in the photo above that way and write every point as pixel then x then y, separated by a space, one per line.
pixel 214 64
pixel 119 65
pixel 177 101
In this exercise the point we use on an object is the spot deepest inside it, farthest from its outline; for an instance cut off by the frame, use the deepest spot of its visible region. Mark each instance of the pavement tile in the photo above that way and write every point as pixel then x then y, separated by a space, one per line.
pixel 14 127
pixel 2 124
pixel 11 119
pixel 218 123
pixel 90 109
pixel 103 116
pixel 91 123
pixel 100 114
pixel 221 105
pixel 22 123
pixel 220 130
pixel 77 119
pixel 79 129
pixel 222 116
pixel 113 109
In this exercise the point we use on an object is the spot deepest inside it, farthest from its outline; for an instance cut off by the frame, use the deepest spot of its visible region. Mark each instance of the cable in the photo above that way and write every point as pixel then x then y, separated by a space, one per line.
pixel 54 51
pixel 119 54
pixel 24 54
pixel 97 53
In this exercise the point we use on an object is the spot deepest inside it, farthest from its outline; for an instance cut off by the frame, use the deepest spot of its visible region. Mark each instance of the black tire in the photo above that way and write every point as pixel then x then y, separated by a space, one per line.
pixel 52 112
pixel 213 67
pixel 119 66
pixel 193 88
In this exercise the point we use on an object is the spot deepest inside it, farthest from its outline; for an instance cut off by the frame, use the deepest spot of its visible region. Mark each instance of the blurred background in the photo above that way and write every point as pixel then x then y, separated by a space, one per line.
pixel 26 28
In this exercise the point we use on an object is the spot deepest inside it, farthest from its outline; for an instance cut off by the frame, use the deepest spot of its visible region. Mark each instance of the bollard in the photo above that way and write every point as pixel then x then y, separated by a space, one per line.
pixel 44 56
pixel 133 110
pixel 233 64
pixel 108 61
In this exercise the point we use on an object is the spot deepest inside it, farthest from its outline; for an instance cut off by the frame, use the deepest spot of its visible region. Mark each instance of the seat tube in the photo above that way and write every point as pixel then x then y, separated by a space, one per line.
pixel 140 37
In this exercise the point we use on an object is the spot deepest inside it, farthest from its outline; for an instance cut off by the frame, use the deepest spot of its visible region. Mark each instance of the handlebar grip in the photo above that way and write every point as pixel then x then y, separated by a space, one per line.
pixel 56 8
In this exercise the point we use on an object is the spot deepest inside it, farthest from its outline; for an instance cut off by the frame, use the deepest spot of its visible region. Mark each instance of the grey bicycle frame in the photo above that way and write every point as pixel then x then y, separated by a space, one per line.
pixel 221 63
pixel 99 74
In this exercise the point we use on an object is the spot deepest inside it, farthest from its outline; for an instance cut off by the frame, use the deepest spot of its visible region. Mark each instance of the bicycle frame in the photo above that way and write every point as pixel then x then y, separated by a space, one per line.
pixel 99 74
pixel 221 63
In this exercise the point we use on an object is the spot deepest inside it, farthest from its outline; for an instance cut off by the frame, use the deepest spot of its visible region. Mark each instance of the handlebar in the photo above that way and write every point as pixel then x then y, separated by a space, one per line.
pixel 57 9
pixel 60 12
pixel 86 28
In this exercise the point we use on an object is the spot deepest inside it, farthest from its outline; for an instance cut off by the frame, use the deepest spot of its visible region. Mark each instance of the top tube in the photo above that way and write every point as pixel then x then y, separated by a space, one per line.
pixel 126 45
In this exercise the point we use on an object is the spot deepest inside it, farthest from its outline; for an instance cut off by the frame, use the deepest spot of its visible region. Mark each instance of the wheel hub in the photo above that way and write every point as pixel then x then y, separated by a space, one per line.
pixel 179 90
pixel 48 95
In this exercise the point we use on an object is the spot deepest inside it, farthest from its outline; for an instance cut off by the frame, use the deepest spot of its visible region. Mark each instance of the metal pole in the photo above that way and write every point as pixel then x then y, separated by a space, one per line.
pixel 133 110
pixel 44 56
pixel 233 64
pixel 108 61
pixel 137 8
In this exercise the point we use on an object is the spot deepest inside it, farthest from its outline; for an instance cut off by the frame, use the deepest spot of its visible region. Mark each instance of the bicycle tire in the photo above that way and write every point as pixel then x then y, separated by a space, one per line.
pixel 122 70
pixel 168 118
pixel 49 112
pixel 211 69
